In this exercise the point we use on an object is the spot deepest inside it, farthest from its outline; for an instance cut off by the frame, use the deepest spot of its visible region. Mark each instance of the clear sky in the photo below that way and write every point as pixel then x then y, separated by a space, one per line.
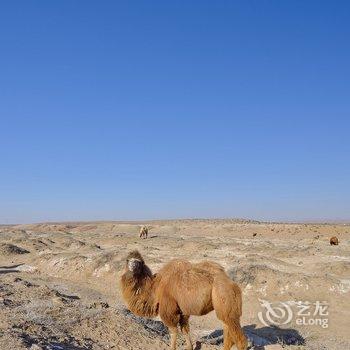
pixel 165 109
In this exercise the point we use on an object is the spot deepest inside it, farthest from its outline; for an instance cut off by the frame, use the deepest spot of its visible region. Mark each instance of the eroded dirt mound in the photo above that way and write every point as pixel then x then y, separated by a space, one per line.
pixel 38 316
pixel 11 249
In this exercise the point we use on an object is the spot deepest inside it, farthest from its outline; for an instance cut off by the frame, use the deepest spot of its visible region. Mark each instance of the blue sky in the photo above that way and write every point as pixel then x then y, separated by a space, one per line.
pixel 164 109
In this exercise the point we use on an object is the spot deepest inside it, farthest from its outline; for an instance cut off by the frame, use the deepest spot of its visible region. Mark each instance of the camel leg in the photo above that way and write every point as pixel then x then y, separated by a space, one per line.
pixel 228 340
pixel 170 314
pixel 185 329
pixel 237 335
pixel 173 337
pixel 229 312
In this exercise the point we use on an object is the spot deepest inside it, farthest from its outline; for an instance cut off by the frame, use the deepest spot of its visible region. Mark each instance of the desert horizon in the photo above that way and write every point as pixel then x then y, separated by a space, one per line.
pixel 150 220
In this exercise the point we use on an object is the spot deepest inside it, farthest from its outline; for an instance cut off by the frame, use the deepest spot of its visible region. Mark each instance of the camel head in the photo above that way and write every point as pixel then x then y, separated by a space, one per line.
pixel 136 282
pixel 135 263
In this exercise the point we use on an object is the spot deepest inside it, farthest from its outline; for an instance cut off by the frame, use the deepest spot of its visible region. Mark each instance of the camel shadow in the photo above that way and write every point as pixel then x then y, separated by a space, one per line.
pixel 258 337
pixel 274 335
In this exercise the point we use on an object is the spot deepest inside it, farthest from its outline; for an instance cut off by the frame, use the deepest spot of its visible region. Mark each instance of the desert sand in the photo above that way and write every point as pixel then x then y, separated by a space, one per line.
pixel 59 282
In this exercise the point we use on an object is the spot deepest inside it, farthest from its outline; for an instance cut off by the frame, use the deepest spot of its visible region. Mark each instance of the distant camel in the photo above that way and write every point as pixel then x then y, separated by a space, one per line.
pixel 144 232
pixel 334 241
pixel 181 289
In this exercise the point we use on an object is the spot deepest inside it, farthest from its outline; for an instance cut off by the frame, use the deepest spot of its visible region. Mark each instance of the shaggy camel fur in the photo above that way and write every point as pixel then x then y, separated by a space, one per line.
pixel 181 289
pixel 144 232
pixel 334 241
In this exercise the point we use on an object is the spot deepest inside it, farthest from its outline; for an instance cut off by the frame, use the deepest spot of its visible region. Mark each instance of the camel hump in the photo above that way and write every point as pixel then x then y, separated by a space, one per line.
pixel 175 266
pixel 210 266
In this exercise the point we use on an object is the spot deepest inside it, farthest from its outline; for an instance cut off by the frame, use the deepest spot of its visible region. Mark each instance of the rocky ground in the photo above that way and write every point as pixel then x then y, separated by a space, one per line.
pixel 59 283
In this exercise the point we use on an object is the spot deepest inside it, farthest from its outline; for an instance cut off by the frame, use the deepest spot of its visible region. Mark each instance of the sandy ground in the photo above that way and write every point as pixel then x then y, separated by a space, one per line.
pixel 59 282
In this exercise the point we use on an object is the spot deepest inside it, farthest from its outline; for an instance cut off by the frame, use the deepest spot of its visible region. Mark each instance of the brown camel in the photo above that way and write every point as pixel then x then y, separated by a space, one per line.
pixel 334 241
pixel 181 289
pixel 144 232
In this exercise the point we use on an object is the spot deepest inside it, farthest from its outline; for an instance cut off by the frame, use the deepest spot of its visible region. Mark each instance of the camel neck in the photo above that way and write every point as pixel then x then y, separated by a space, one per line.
pixel 140 295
